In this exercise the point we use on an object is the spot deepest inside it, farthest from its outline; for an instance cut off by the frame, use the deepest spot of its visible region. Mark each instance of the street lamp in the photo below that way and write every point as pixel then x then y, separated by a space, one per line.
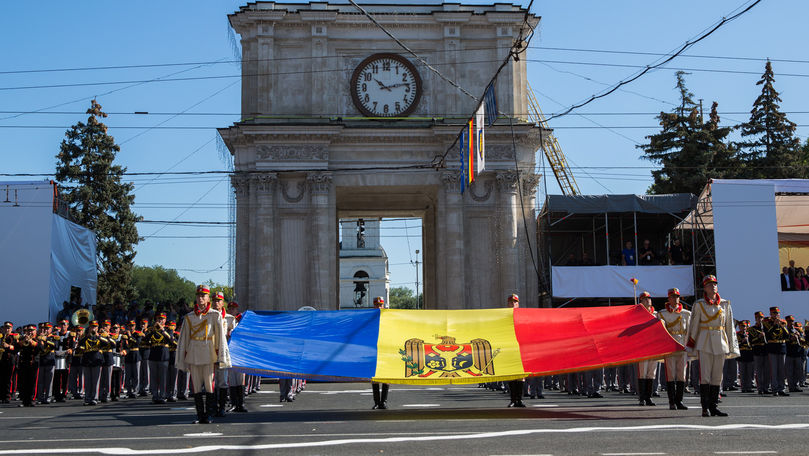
pixel 417 279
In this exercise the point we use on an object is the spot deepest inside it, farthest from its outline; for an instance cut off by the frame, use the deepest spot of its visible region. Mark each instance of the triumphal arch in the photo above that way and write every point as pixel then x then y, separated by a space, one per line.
pixel 339 121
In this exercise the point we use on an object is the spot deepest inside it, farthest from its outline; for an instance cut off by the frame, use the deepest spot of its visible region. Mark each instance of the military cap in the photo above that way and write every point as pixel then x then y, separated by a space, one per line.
pixel 219 296
pixel 645 294
pixel 710 278
pixel 674 292
pixel 203 289
pixel 233 304
pixel 775 309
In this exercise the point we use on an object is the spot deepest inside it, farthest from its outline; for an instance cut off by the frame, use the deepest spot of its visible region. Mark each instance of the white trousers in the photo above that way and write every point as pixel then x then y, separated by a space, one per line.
pixel 201 375
pixel 675 366
pixel 647 369
pixel 710 368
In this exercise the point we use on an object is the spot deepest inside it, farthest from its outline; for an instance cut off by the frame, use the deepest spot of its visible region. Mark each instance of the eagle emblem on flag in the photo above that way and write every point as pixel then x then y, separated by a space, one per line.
pixel 448 358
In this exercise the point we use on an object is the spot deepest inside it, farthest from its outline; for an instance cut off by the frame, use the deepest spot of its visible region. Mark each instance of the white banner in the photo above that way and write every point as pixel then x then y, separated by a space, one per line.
pixel 613 281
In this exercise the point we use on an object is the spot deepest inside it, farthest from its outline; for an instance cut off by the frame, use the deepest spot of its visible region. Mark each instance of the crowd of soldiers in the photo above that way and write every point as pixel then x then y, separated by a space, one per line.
pixel 104 361
pixel 768 357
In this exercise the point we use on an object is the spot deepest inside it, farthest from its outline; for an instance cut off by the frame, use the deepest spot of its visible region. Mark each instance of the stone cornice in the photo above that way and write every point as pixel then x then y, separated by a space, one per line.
pixel 319 183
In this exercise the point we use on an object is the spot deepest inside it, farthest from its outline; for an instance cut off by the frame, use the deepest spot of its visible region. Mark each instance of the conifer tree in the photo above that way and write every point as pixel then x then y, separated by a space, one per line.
pixel 769 147
pixel 98 199
pixel 689 150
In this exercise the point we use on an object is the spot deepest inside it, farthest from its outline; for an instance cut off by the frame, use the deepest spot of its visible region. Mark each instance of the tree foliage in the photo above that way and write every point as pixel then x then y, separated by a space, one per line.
pixel 689 150
pixel 403 298
pixel 160 285
pixel 92 186
pixel 769 147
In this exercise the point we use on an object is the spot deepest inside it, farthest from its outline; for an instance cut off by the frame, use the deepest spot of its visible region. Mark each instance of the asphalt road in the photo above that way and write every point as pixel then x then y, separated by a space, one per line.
pixel 336 419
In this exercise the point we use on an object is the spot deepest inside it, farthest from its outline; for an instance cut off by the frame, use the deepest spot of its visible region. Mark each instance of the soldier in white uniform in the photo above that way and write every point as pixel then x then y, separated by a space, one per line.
pixel 646 369
pixel 202 347
pixel 676 320
pixel 711 334
pixel 228 323
pixel 235 378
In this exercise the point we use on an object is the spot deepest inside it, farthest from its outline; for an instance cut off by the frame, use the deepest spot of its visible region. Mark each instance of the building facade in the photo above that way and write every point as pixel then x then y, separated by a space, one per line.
pixel 329 131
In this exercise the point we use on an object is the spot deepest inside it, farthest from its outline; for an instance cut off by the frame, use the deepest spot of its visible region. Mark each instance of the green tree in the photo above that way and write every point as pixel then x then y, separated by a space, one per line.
pixel 770 148
pixel 92 187
pixel 158 284
pixel 403 298
pixel 688 150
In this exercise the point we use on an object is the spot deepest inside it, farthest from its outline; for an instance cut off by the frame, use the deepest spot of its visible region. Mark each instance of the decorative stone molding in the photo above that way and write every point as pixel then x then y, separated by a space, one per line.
pixel 285 191
pixel 240 184
pixel 451 181
pixel 319 183
pixel 507 181
pixel 488 186
pixel 292 152
pixel 500 152
pixel 265 182
pixel 529 184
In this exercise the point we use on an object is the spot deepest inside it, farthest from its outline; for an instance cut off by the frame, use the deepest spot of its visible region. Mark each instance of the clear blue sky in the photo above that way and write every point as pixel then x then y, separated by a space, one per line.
pixel 56 34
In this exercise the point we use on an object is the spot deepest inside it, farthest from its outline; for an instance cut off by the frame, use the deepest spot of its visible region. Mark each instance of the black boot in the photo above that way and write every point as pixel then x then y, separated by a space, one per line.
pixel 202 417
pixel 223 402
pixel 678 398
pixel 210 405
pixel 672 394
pixel 649 386
pixel 704 398
pixel 375 388
pixel 641 391
pixel 237 399
pixel 383 396
pixel 714 397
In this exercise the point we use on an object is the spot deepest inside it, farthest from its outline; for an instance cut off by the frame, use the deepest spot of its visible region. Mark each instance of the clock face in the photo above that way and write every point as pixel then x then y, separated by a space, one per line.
pixel 386 85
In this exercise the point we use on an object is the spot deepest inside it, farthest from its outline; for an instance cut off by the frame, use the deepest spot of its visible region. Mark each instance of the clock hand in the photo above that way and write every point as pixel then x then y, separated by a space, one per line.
pixel 397 85
pixel 382 86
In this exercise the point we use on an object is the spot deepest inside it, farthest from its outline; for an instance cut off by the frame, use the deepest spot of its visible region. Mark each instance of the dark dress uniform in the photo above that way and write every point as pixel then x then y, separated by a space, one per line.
pixel 116 379
pixel 27 366
pixel 67 341
pixel 145 348
pixel 75 376
pixel 106 367
pixel 794 359
pixel 760 362
pixel 8 359
pixel 160 341
pixel 47 365
pixel 775 330
pixel 92 360
pixel 745 360
pixel 132 362
pixel 171 380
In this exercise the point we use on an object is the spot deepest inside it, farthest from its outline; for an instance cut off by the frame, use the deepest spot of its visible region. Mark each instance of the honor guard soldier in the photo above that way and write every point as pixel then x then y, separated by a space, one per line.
pixel 676 319
pixel 143 375
pixel 221 380
pixel 47 363
pixel 794 358
pixel 515 386
pixel 746 358
pixel 775 330
pixel 107 348
pixel 646 369
pixel 118 354
pixel 64 351
pixel 75 375
pixel 380 390
pixel 761 364
pixel 712 335
pixel 8 358
pixel 171 380
pixel 27 365
pixel 92 360
pixel 236 378
pixel 202 347
pixel 160 341
pixel 132 360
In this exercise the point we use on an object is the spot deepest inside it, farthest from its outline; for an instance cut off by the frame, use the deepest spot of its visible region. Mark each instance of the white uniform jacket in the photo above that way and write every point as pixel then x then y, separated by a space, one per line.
pixel 202 341
pixel 676 324
pixel 711 329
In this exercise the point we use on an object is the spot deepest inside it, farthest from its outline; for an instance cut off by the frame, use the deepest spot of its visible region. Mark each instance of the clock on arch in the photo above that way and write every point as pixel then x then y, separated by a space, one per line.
pixel 386 85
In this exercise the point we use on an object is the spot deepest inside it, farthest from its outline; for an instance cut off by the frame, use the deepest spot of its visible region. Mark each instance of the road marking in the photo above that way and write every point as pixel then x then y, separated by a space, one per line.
pixel 545 405
pixel 746 452
pixel 203 434
pixel 409 438
pixel 182 408
pixel 630 454
pixel 271 405
pixel 421 405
